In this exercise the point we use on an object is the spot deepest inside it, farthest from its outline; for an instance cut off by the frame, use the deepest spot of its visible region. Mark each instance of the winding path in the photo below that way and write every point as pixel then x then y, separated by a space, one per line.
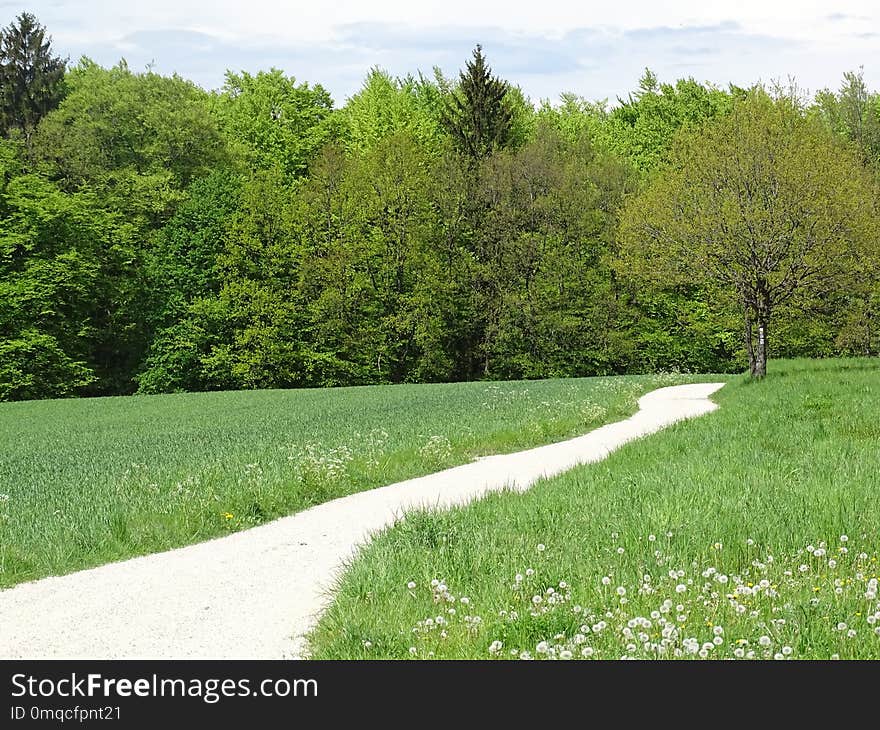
pixel 253 594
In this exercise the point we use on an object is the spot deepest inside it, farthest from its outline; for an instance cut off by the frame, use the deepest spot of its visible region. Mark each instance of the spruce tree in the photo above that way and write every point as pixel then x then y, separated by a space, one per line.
pixel 31 77
pixel 476 114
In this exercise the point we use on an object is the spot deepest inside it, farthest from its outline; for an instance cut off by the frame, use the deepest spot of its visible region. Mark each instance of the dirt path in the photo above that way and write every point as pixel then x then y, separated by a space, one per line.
pixel 253 594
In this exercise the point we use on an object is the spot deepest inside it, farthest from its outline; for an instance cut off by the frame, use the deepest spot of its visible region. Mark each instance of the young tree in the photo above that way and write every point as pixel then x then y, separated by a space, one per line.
pixel 477 114
pixel 764 203
pixel 386 106
pixel 641 129
pixel 275 120
pixel 854 113
pixel 31 78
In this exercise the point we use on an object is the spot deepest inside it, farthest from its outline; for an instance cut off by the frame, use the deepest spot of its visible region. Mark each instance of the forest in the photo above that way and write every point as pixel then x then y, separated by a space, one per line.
pixel 158 237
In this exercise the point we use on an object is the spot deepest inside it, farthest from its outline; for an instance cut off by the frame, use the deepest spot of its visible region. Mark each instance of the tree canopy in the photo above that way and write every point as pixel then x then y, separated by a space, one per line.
pixel 31 76
pixel 478 114
pixel 765 202
pixel 157 237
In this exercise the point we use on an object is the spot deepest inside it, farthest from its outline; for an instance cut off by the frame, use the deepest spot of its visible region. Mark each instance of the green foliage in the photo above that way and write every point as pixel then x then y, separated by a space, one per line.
pixel 56 250
pixel 276 121
pixel 853 113
pixel 139 139
pixel 575 118
pixel 185 251
pixel 430 229
pixel 33 365
pixel 763 203
pixel 642 128
pixel 31 77
pixel 547 222
pixel 477 114
pixel 386 106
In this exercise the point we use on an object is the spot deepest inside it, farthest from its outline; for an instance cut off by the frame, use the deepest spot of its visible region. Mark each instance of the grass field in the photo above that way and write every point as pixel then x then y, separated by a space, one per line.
pixel 84 482
pixel 748 533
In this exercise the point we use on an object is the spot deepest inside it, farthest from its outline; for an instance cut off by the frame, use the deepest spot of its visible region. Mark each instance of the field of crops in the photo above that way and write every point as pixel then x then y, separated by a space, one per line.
pixel 749 533
pixel 84 482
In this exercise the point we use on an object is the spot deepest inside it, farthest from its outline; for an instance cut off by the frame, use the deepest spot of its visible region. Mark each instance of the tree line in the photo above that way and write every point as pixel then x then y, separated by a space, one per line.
pixel 157 237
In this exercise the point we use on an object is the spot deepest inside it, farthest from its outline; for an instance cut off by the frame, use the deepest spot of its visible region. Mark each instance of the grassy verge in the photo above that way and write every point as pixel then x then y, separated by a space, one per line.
pixel 83 482
pixel 748 533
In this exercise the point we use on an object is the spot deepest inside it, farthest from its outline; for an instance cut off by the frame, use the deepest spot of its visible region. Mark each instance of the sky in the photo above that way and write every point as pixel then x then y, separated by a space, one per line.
pixel 597 50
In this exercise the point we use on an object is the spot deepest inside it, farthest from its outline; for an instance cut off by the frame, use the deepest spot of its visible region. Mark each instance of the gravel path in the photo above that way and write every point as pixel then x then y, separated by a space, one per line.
pixel 253 594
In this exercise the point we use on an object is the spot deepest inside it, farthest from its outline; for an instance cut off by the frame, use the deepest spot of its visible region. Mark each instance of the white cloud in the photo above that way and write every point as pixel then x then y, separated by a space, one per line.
pixel 594 49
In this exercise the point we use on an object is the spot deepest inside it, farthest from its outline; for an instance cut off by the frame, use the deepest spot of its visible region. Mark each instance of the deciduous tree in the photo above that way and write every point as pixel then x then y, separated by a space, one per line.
pixel 764 202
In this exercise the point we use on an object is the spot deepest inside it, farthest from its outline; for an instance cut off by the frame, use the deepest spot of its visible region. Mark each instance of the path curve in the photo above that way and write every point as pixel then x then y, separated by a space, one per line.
pixel 254 594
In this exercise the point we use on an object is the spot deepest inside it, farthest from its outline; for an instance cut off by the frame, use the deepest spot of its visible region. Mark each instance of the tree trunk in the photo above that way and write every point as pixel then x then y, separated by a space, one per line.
pixel 760 368
pixel 749 341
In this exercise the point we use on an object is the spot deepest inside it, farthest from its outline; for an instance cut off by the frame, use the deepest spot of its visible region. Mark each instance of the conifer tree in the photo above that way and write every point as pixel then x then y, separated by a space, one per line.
pixel 31 77
pixel 476 114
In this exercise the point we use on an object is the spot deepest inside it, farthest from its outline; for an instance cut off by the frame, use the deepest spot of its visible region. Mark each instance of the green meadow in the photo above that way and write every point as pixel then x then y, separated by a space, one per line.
pixel 88 481
pixel 747 533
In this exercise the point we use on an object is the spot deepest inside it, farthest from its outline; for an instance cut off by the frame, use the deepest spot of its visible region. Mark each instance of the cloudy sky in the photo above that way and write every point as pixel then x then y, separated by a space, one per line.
pixel 595 49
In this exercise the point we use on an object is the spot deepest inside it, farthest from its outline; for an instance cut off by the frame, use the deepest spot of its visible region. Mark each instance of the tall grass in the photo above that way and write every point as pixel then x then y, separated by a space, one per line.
pixel 83 482
pixel 748 533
